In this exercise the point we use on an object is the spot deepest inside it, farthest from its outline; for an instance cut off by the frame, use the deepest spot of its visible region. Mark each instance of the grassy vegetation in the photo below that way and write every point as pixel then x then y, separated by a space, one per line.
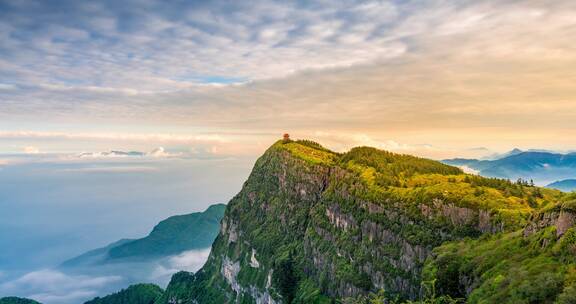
pixel 392 168
pixel 309 151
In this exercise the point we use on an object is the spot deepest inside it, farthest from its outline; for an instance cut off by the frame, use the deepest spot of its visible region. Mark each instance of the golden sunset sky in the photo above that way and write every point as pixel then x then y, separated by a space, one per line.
pixel 433 78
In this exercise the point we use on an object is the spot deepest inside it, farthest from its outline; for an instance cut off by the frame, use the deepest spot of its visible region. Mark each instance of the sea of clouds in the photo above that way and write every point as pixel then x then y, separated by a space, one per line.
pixel 59 286
pixel 55 207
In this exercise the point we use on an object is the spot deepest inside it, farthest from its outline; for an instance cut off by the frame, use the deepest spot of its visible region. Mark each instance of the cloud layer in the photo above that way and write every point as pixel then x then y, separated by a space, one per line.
pixel 72 286
pixel 140 46
pixel 52 286
pixel 191 260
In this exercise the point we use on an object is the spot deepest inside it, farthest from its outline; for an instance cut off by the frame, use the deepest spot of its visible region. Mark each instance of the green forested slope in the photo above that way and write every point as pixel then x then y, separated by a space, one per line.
pixel 16 300
pixel 171 236
pixel 135 294
pixel 174 235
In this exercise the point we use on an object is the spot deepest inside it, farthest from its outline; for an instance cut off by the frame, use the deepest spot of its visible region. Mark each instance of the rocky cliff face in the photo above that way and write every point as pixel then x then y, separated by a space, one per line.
pixel 313 225
pixel 560 216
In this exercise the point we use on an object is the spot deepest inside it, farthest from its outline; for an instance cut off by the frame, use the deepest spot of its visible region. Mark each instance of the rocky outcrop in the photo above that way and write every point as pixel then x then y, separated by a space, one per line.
pixel 229 228
pixel 564 222
pixel 339 219
pixel 481 220
pixel 372 207
pixel 229 271
pixel 253 261
pixel 561 219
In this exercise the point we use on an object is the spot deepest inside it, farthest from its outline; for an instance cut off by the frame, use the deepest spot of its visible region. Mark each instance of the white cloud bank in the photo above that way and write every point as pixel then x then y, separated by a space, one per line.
pixel 469 170
pixel 54 287
pixel 50 286
pixel 191 261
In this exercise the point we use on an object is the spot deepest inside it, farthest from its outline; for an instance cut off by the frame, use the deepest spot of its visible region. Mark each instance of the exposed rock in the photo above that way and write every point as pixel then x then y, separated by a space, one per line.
pixel 339 219
pixel 372 208
pixel 563 220
pixel 482 220
pixel 232 232
pixel 253 262
pixel 458 216
pixel 269 280
pixel 229 271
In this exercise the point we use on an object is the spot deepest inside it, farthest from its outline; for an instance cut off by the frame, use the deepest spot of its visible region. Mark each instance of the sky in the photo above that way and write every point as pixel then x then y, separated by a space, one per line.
pixel 434 78
pixel 201 88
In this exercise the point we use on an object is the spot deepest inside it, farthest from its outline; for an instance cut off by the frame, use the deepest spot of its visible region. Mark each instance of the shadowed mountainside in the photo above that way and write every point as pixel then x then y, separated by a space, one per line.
pixel 16 300
pixel 171 236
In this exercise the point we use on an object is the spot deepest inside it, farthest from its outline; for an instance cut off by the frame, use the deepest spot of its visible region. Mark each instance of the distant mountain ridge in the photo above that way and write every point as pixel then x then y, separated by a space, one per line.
pixel 94 256
pixel 567 185
pixel 542 167
pixel 16 300
pixel 174 235
pixel 171 236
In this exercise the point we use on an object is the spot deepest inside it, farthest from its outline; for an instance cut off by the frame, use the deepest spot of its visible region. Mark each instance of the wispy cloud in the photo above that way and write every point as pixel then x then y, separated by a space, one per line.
pixel 113 136
pixel 110 169
pixel 468 170
pixel 145 45
pixel 51 286
pixel 96 145
pixel 159 152
pixel 191 260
